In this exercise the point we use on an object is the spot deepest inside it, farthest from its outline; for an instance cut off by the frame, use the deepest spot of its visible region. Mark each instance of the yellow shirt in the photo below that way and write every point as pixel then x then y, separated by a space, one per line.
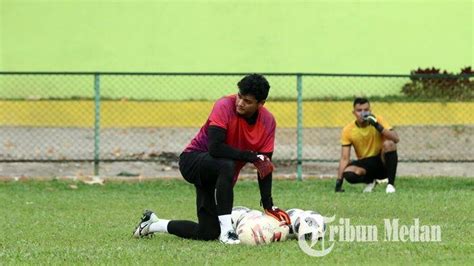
pixel 367 141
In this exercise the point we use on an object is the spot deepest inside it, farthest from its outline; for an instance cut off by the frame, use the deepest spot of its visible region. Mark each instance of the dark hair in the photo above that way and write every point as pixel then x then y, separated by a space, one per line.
pixel 360 100
pixel 256 85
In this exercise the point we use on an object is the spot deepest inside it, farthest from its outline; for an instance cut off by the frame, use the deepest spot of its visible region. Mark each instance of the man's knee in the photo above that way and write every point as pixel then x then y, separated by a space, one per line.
pixel 355 169
pixel 226 166
pixel 351 177
pixel 388 146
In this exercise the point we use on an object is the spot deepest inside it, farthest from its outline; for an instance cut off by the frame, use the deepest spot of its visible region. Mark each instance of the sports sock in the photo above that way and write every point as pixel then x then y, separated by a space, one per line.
pixel 160 226
pixel 185 229
pixel 224 193
pixel 225 222
pixel 391 162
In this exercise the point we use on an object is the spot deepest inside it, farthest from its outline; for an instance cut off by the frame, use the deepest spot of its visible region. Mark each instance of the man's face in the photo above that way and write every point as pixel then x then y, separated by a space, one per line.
pixel 247 105
pixel 359 109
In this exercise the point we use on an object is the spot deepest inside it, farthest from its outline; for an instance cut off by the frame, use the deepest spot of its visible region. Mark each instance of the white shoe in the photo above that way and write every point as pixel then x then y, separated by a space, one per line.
pixel 390 188
pixel 230 238
pixel 369 187
pixel 143 228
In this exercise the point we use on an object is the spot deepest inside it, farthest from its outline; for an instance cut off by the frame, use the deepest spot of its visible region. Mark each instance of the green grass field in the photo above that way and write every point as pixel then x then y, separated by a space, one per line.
pixel 54 223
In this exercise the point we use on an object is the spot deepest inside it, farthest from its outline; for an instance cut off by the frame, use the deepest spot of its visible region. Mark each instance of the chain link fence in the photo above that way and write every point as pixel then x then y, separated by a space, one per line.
pixel 51 117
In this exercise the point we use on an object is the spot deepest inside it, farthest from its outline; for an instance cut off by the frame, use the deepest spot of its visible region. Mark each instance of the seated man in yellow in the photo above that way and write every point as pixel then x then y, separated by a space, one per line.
pixel 374 143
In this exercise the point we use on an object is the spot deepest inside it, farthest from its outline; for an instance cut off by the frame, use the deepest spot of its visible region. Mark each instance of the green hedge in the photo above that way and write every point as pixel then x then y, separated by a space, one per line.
pixel 432 84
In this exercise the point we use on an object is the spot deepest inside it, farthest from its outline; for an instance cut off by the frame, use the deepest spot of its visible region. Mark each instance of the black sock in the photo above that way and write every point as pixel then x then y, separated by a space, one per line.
pixel 391 162
pixel 185 229
pixel 224 191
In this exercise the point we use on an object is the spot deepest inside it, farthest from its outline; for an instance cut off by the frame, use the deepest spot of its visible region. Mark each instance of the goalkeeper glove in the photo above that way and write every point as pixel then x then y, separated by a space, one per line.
pixel 369 117
pixel 264 166
pixel 278 214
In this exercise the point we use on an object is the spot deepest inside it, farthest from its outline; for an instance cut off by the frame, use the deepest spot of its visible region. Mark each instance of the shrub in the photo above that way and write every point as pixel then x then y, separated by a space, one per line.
pixel 431 83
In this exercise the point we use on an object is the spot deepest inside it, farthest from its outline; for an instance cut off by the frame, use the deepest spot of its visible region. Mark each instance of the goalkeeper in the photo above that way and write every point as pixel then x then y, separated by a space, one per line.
pixel 374 142
pixel 239 130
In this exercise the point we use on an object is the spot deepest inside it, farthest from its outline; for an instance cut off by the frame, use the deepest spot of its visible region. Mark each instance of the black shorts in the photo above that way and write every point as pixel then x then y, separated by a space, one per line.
pixel 196 168
pixel 201 170
pixel 374 167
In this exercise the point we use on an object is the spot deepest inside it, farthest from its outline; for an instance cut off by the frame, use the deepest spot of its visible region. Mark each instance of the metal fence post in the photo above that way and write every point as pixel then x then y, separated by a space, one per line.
pixel 299 126
pixel 96 123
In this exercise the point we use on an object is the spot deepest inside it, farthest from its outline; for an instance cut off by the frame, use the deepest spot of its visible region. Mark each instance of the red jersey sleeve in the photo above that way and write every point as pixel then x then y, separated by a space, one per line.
pixel 220 114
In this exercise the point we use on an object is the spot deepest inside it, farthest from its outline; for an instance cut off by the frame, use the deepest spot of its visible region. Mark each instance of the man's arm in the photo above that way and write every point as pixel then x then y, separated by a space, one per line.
pixel 219 149
pixel 343 162
pixel 265 186
pixel 391 135
pixel 387 133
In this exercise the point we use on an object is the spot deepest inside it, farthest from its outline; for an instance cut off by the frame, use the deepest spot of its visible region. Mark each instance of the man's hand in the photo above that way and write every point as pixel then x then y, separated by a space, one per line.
pixel 369 117
pixel 339 185
pixel 264 166
pixel 278 214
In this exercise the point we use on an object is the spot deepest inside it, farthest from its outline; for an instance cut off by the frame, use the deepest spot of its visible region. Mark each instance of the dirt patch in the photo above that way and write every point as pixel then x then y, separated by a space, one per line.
pixel 142 170
pixel 163 145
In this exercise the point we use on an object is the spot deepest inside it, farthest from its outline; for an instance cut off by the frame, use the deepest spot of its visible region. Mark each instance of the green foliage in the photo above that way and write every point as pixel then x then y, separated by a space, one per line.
pixel 72 223
pixel 432 84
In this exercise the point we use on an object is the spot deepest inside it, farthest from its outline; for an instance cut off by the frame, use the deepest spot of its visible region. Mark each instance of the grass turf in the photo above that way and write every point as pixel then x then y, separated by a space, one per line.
pixel 52 222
